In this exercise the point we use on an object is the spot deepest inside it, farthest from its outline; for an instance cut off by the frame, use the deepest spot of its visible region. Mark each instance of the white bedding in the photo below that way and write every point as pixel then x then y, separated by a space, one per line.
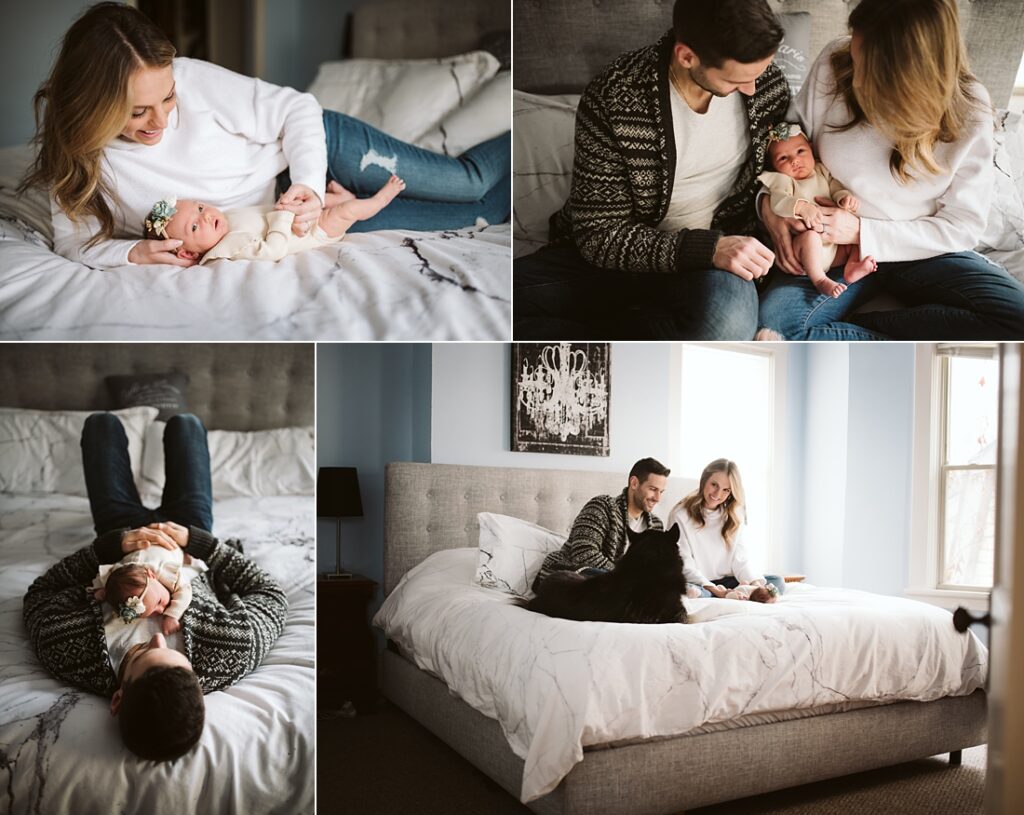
pixel 556 686
pixel 60 749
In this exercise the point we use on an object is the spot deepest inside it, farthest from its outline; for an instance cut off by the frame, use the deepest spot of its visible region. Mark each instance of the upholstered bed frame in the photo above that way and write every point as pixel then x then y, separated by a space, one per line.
pixel 411 29
pixel 432 507
pixel 232 386
pixel 560 45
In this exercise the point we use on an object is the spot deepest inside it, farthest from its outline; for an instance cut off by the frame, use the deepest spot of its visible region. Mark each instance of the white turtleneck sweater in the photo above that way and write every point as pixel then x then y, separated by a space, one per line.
pixel 929 216
pixel 226 141
pixel 705 555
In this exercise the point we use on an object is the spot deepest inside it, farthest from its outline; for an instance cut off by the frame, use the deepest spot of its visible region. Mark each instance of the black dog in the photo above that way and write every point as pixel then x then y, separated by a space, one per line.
pixel 646 586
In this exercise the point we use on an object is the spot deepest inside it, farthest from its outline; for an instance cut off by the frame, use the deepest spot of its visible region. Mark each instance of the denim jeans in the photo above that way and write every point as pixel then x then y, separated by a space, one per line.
pixel 113 498
pixel 441 192
pixel 957 296
pixel 559 295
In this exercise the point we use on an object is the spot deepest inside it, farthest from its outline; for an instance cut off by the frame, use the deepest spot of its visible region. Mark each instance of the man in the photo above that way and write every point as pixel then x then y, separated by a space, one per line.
pixel 654 241
pixel 236 614
pixel 598 536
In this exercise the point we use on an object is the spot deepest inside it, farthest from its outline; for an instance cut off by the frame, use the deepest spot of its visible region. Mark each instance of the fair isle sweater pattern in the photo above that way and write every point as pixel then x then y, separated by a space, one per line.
pixel 237 613
pixel 597 539
pixel 624 168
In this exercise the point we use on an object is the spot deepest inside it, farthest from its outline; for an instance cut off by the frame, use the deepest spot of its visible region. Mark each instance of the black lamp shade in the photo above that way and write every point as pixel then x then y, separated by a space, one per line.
pixel 337 493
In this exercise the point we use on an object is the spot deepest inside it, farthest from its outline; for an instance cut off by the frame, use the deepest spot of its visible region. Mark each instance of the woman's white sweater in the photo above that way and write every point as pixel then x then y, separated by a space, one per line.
pixel 705 555
pixel 932 214
pixel 226 141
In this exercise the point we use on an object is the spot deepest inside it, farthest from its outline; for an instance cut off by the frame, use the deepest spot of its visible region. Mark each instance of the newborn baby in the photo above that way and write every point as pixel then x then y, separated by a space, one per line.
pixel 253 233
pixel 793 187
pixel 759 594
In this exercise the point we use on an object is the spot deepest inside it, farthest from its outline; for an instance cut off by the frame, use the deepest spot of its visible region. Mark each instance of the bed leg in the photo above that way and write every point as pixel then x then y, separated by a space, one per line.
pixel 956 757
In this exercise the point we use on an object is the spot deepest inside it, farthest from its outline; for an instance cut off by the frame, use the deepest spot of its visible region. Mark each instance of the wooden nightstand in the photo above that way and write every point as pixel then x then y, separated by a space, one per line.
pixel 346 659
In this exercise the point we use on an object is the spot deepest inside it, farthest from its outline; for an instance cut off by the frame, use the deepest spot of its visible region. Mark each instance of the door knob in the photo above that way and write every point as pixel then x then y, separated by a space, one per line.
pixel 962 618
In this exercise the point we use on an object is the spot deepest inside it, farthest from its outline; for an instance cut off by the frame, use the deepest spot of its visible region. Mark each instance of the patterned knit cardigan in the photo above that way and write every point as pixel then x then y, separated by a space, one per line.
pixel 625 166
pixel 236 614
pixel 597 539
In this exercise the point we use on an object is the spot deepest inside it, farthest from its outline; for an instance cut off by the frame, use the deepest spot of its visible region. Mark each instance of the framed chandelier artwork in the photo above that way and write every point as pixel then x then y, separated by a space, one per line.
pixel 560 398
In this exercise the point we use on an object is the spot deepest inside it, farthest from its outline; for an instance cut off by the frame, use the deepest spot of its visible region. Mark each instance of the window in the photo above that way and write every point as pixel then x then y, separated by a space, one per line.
pixel 725 404
pixel 955 442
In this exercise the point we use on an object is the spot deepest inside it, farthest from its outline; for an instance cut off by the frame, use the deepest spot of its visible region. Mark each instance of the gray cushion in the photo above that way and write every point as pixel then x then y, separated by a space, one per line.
pixel 793 56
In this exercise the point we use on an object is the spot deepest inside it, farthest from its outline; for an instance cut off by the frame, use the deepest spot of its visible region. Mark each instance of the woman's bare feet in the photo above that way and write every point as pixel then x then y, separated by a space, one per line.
pixel 854 271
pixel 829 287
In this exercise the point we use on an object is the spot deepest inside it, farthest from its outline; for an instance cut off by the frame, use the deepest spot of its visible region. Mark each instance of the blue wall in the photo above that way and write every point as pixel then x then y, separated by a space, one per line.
pixel 373 406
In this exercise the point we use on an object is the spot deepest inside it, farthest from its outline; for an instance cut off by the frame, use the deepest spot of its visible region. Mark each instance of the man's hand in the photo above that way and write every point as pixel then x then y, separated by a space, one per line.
pixel 840 226
pixel 781 230
pixel 743 256
pixel 177 532
pixel 144 537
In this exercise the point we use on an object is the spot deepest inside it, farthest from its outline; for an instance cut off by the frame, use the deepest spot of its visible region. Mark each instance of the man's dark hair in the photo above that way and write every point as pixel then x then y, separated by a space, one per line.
pixel 648 466
pixel 161 713
pixel 716 30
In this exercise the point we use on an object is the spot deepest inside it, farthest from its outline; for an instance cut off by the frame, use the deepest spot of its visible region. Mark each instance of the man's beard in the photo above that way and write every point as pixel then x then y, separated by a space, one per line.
pixel 700 78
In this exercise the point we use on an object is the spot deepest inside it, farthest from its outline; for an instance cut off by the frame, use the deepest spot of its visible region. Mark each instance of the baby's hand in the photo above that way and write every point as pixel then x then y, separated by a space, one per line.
pixel 169 625
pixel 849 203
pixel 809 214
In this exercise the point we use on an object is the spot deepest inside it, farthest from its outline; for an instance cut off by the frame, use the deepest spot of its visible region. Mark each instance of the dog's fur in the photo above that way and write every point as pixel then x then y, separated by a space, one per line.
pixel 646 586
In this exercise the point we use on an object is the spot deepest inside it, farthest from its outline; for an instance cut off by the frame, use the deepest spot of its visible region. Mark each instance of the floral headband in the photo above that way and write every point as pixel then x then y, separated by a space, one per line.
pixel 158 218
pixel 783 131
pixel 773 590
pixel 131 609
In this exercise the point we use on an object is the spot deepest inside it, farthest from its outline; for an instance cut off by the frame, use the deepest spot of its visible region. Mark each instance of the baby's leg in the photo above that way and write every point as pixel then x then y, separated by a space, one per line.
pixel 336 220
pixel 336 194
pixel 857 267
pixel 809 253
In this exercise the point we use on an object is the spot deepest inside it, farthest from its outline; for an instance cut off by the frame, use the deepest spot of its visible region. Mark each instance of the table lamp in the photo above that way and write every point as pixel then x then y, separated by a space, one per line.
pixel 337 496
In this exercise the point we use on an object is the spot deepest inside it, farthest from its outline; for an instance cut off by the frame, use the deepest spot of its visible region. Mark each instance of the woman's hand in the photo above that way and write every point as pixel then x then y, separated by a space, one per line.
pixel 306 205
pixel 781 230
pixel 144 537
pixel 840 226
pixel 718 591
pixel 146 252
pixel 743 256
pixel 177 532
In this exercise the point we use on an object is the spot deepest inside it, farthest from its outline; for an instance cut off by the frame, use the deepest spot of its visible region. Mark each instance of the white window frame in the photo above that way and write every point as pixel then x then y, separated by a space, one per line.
pixel 926 483
pixel 778 354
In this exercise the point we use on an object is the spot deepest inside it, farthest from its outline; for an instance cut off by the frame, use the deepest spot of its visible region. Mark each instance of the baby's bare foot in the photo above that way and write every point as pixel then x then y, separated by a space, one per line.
pixel 855 271
pixel 829 287
pixel 390 190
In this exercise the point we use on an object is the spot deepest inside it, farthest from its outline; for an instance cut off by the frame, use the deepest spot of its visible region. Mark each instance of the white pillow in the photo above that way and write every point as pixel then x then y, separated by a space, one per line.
pixel 32 208
pixel 542 154
pixel 512 552
pixel 482 116
pixel 250 463
pixel 404 98
pixel 40 450
pixel 1005 227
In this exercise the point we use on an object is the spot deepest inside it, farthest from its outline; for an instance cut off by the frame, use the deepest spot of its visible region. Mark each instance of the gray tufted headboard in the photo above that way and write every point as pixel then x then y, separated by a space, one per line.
pixel 418 29
pixel 432 507
pixel 559 45
pixel 232 386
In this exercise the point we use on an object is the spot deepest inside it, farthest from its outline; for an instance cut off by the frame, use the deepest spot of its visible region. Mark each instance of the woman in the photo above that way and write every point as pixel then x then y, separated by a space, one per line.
pixel 121 124
pixel 898 118
pixel 711 520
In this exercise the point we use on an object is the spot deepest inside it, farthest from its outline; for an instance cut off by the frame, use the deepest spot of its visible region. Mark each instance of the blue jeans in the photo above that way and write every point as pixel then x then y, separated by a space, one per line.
pixel 731 582
pixel 957 296
pixel 560 296
pixel 441 192
pixel 113 498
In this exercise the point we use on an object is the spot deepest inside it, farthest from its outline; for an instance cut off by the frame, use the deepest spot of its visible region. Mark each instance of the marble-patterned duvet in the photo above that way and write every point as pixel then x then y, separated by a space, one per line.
pixel 60 751
pixel 556 686
pixel 386 285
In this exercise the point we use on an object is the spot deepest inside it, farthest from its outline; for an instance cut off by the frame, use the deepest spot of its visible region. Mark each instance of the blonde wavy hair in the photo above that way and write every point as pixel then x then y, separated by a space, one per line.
pixel 84 105
pixel 735 505
pixel 914 82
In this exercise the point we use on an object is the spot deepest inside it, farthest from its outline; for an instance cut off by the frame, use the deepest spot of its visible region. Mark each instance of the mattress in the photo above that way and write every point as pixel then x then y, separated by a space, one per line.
pixel 559 686
pixel 60 751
